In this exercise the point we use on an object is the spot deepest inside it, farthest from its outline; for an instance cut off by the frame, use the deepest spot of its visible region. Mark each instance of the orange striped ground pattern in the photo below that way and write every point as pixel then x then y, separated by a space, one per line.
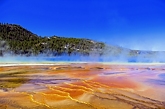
pixel 83 86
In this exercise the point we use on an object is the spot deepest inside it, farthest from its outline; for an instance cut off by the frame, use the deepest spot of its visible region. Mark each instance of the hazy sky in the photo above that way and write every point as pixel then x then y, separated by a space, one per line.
pixel 136 24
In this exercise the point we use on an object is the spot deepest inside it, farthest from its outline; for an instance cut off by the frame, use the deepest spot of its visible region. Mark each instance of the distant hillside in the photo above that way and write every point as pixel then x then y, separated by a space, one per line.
pixel 16 32
pixel 23 42
pixel 16 40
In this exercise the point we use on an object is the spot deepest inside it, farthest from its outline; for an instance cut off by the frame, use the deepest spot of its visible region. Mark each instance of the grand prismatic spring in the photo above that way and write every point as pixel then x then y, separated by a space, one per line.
pixel 82 86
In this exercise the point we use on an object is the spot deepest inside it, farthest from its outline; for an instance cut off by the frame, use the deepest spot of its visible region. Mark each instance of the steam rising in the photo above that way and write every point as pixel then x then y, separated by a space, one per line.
pixel 109 54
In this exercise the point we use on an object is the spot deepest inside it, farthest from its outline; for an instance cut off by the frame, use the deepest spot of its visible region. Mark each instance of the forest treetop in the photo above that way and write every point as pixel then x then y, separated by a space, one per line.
pixel 20 41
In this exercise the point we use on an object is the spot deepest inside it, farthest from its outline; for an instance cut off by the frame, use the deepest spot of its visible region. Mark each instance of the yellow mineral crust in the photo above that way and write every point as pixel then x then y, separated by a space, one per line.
pixel 82 86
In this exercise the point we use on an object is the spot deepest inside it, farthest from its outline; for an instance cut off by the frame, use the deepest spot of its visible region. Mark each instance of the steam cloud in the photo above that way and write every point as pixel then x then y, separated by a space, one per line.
pixel 109 54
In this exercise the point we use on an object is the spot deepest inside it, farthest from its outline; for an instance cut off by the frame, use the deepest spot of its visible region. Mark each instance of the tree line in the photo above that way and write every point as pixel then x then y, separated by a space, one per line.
pixel 17 40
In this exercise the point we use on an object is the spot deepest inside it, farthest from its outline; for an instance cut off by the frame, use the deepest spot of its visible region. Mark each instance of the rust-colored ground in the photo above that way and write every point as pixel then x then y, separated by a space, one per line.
pixel 82 86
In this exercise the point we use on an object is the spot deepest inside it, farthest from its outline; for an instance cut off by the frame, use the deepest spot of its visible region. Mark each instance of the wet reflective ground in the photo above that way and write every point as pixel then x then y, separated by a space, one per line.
pixel 82 86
